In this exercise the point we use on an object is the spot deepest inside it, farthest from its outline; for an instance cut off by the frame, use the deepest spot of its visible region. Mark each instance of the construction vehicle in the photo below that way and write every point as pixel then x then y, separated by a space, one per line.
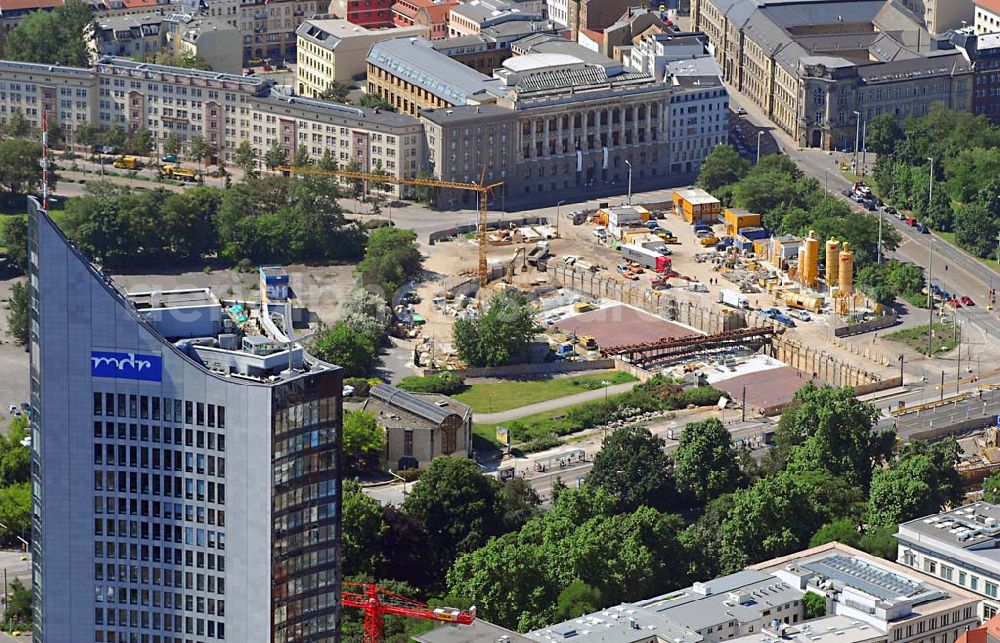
pixel 539 252
pixel 583 307
pixel 588 342
pixel 482 189
pixel 378 602
pixel 662 281
pixel 128 163
pixel 734 299
pixel 646 257
pixel 178 173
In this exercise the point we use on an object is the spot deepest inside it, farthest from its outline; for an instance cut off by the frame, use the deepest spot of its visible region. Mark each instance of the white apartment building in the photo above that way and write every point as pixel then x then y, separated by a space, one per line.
pixel 699 108
pixel 960 548
pixel 558 11
pixel 67 94
pixel 987 16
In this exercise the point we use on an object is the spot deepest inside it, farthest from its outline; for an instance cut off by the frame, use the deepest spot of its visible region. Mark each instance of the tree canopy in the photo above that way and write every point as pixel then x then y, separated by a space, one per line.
pixel 633 467
pixel 498 336
pixel 57 37
pixel 705 464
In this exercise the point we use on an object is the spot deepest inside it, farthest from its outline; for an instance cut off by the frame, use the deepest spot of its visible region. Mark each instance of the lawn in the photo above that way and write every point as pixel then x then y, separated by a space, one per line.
pixel 501 396
pixel 916 338
pixel 537 425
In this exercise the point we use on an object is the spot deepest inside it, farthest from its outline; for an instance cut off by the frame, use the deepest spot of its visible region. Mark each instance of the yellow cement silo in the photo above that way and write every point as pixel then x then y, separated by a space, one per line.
pixel 846 277
pixel 832 265
pixel 811 271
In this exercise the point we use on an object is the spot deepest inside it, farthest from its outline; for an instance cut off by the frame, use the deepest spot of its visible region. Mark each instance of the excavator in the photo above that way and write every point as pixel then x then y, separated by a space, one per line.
pixel 663 282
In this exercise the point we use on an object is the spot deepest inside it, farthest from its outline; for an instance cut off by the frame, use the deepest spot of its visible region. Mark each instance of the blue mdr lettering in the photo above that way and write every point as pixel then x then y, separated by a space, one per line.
pixel 128 366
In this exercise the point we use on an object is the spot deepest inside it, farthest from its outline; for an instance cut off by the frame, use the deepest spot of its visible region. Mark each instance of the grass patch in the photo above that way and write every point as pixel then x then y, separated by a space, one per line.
pixel 533 426
pixel 943 340
pixel 502 396
pixel 915 299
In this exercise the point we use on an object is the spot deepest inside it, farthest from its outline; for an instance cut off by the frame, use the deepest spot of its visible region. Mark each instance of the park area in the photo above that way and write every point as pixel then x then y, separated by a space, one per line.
pixel 494 397
pixel 944 338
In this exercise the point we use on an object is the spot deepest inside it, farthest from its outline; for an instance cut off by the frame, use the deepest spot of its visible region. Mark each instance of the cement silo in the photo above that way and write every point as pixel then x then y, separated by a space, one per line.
pixel 810 269
pixel 845 278
pixel 832 263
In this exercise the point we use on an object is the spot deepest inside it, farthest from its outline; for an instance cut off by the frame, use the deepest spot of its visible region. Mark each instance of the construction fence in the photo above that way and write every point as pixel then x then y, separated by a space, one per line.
pixel 503 224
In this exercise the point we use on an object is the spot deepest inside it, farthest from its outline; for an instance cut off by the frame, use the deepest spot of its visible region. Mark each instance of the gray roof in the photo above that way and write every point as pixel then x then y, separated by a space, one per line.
pixel 417 62
pixel 867 578
pixel 332 110
pixel 545 43
pixel 465 114
pixel 418 405
pixel 479 632
pixel 972 527
pixel 946 65
pixel 702 66
pixel 128 63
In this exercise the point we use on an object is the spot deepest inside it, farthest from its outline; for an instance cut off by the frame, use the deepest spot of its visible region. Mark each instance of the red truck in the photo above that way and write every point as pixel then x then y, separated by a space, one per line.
pixel 646 257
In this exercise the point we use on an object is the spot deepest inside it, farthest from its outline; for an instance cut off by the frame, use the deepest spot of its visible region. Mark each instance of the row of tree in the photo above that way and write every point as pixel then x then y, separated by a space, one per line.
pixel 789 202
pixel 646 522
pixel 965 195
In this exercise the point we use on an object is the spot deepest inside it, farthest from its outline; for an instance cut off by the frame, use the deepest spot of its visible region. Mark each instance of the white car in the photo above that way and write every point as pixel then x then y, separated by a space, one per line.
pixel 348 390
pixel 802 315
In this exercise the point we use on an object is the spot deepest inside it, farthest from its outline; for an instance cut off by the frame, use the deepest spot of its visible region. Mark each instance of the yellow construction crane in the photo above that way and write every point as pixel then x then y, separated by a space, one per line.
pixel 482 189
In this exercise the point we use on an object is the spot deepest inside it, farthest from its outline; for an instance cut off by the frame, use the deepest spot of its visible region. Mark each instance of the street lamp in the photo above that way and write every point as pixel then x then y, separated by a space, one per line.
pixel 857 138
pixel 930 268
pixel 558 211
pixel 759 134
pixel 629 164
pixel 398 477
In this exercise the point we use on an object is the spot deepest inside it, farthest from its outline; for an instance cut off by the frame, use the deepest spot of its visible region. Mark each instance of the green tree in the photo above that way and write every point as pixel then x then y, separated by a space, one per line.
pixel 17 312
pixel 883 134
pixel 991 489
pixel 373 101
pixel 902 492
pixel 55 133
pixel 976 229
pixel 57 37
pixel 246 159
pixel 772 518
pixel 813 605
pixel 391 259
pixel 836 432
pixel 701 540
pixel 328 162
pixel 459 506
pixel 940 215
pixel 841 530
pixel 343 346
pixel 378 186
pixel 633 467
pixel 368 313
pixel 141 141
pixel 115 138
pixel 408 553
pixel 520 503
pixel 86 135
pixel 498 336
pixel 17 126
pixel 336 92
pixel 184 59
pixel 172 145
pixel 426 194
pixel 14 237
pixel 363 528
pixel 274 157
pixel 15 458
pixel 302 158
pixel 18 608
pixel 363 439
pixel 15 510
pixel 199 150
pixel 185 224
pixel 577 599
pixel 20 172
pixel 705 465
pixel 722 166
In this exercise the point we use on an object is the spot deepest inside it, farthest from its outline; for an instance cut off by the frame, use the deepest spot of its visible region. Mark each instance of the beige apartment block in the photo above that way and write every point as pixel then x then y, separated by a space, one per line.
pixel 332 49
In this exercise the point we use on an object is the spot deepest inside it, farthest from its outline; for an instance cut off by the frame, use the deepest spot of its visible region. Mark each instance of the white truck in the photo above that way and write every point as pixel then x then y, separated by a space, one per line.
pixel 734 299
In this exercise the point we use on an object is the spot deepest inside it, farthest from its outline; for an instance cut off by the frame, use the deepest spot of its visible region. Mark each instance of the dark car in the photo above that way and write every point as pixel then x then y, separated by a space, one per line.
pixel 922 229
pixel 890 210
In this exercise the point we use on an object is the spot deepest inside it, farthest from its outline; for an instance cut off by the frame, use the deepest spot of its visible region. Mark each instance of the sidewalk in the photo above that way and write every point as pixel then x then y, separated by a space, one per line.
pixel 549 405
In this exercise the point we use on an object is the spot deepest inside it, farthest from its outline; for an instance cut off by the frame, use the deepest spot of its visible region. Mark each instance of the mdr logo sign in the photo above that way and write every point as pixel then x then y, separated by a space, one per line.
pixel 126 366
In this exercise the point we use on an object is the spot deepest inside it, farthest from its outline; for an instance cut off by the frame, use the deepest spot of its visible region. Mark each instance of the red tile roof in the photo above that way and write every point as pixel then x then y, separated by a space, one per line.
pixel 21 5
pixel 132 4
pixel 989 5
pixel 595 36
pixel 438 13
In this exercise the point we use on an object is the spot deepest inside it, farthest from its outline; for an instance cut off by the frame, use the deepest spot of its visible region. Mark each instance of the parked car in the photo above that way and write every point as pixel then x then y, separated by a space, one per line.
pixel 967 301
pixel 770 313
pixel 169 158
pixel 889 210
pixel 923 229
pixel 911 221
pixel 784 319
pixel 256 61
pixel 955 303
pixel 900 216
pixel 740 111
pixel 803 315
pixel 869 204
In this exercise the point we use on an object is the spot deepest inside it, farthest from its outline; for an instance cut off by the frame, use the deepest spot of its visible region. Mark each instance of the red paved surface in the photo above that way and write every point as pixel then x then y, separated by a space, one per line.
pixel 621 325
pixel 766 388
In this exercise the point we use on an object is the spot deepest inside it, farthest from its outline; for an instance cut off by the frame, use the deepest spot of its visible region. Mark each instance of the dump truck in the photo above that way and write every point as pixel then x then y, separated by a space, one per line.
pixel 178 173
pixel 734 299
pixel 588 342
pixel 646 257
pixel 128 163
pixel 539 252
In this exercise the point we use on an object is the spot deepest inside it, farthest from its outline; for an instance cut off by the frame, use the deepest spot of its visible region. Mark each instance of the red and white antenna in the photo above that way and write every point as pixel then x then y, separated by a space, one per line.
pixel 45 162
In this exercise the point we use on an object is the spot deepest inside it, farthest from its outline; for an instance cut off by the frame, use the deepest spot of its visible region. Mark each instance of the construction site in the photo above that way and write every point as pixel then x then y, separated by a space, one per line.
pixel 684 288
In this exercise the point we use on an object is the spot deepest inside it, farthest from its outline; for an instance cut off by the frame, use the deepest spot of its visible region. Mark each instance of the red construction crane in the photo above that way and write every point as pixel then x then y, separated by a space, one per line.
pixel 377 602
